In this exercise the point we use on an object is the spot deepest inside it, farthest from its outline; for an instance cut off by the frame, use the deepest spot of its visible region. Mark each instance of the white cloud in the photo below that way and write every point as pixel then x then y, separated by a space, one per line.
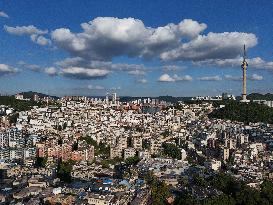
pixel 106 37
pixel 191 28
pixel 32 31
pixel 211 46
pixel 253 77
pixel 182 78
pixel 33 67
pixel 83 73
pixel 233 78
pixel 142 81
pixel 210 78
pixel 167 78
pixel 51 71
pixel 95 87
pixel 24 30
pixel 136 72
pixel 3 14
pixel 132 69
pixel 40 40
pixel 6 69
pixel 115 88
pixel 173 67
pixel 67 62
pixel 257 63
pixel 256 77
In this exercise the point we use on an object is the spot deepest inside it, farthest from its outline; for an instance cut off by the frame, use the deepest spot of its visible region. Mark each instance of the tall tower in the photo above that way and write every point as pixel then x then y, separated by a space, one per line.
pixel 244 67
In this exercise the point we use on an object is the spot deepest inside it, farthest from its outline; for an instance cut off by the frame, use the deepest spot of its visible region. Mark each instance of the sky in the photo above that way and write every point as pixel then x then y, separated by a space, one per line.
pixel 135 48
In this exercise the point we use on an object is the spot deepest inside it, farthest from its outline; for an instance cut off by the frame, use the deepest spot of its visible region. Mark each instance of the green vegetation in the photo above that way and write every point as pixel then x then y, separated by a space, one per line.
pixel 64 170
pixel 30 95
pixel 18 105
pixel 107 162
pixel 146 144
pixel 41 161
pixel 234 192
pixel 159 190
pixel 132 160
pixel 243 112
pixel 171 150
pixel 75 146
pixel 166 133
pixel 258 96
pixel 13 117
pixel 100 149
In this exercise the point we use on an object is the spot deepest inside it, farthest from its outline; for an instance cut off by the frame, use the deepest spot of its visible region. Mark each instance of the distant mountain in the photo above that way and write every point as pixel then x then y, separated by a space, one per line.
pixel 30 94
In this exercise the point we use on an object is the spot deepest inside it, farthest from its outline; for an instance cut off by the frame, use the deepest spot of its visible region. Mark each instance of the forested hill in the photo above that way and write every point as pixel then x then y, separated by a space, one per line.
pixel 258 96
pixel 19 105
pixel 30 95
pixel 243 112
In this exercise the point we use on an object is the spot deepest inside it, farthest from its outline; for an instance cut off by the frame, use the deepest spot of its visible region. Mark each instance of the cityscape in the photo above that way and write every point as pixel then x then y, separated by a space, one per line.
pixel 142 104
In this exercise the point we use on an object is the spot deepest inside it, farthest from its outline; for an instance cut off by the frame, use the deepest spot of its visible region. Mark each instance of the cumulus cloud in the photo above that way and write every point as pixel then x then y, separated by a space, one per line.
pixel 233 78
pixel 255 77
pixel 95 87
pixel 83 73
pixel 24 30
pixel 40 40
pixel 210 78
pixel 182 78
pixel 211 46
pixel 106 37
pixel 67 62
pixel 36 35
pixel 142 81
pixel 3 14
pixel 136 72
pixel 257 63
pixel 191 28
pixel 173 67
pixel 6 69
pixel 132 69
pixel 167 78
pixel 52 71
pixel 32 67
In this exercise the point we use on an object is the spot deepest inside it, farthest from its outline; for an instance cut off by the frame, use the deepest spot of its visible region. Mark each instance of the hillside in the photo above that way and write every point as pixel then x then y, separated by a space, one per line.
pixel 30 95
pixel 243 112
pixel 258 96
pixel 18 105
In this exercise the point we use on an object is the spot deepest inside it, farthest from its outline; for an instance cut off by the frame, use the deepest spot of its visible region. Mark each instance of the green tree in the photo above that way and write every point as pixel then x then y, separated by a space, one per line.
pixel 159 190
pixel 13 118
pixel 132 160
pixel 41 161
pixel 171 150
pixel 64 170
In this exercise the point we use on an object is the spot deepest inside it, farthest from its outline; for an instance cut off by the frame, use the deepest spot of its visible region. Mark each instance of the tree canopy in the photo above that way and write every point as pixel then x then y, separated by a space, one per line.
pixel 244 112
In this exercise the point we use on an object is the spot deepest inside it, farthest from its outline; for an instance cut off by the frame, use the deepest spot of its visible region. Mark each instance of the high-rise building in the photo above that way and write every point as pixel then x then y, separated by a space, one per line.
pixel 114 98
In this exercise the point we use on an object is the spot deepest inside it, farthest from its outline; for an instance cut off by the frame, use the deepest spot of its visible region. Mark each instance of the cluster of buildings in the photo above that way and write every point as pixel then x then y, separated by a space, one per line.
pixel 100 136
pixel 224 96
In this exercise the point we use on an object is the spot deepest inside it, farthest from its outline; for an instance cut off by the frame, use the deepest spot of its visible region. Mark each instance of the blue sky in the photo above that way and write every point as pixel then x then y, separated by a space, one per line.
pixel 136 48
